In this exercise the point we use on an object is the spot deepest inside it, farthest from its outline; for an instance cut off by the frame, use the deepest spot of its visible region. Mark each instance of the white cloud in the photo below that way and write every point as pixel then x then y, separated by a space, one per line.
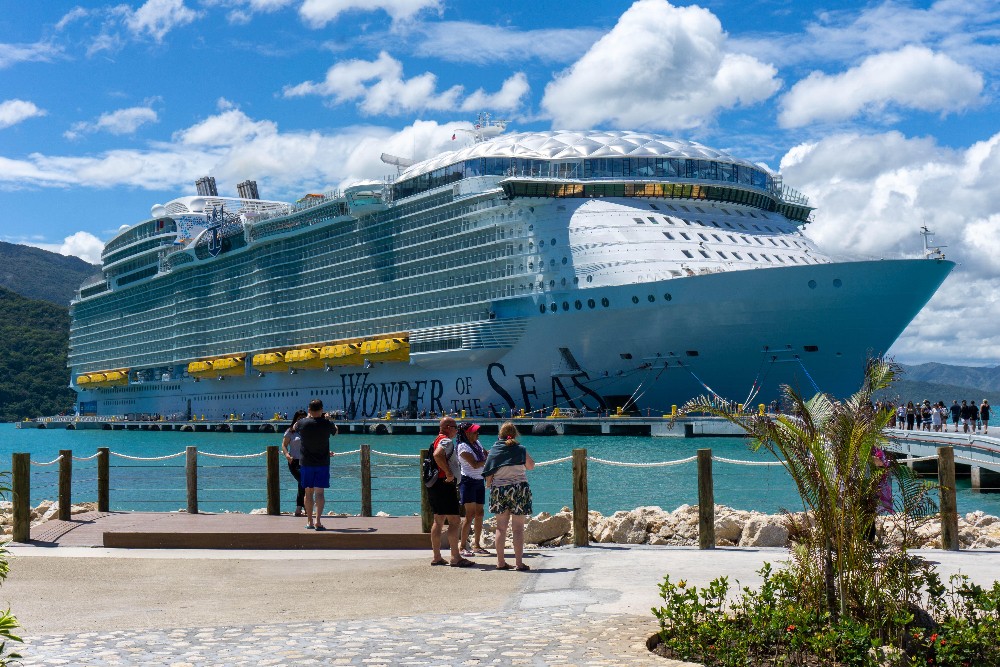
pixel 11 54
pixel 874 192
pixel 450 40
pixel 378 87
pixel 912 77
pixel 13 112
pixel 317 13
pixel 122 121
pixel 73 15
pixel 660 67
pixel 84 245
pixel 508 98
pixel 158 17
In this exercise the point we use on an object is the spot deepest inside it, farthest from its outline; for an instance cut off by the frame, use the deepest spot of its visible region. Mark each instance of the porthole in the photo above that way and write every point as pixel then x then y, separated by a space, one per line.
pixel 651 298
pixel 576 280
pixel 552 283
pixel 667 297
pixel 553 241
pixel 591 303
pixel 578 305
pixel 553 307
pixel 837 282
pixel 812 284
pixel 541 243
pixel 563 281
pixel 541 308
pixel 635 299
pixel 531 266
pixel 531 245
pixel 605 302
pixel 565 305
pixel 565 260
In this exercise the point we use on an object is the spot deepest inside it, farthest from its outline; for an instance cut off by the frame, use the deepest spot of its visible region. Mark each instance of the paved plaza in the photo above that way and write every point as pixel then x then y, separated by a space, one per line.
pixel 585 606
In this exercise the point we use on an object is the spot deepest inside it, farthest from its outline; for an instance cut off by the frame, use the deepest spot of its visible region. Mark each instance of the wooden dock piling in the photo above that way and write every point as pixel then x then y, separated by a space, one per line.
pixel 706 501
pixel 65 484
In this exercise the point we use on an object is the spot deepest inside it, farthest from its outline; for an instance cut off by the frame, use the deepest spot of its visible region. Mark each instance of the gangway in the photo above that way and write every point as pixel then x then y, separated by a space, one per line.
pixel 980 452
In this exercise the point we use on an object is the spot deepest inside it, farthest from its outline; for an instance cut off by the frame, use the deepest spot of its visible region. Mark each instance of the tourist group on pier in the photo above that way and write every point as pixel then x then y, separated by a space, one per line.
pixel 966 417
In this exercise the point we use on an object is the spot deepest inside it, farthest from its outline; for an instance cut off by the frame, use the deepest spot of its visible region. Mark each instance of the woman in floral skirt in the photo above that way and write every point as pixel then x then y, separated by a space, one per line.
pixel 510 495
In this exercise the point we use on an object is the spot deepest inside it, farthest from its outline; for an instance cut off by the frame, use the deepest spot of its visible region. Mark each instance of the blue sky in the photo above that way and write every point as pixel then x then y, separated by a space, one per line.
pixel 885 114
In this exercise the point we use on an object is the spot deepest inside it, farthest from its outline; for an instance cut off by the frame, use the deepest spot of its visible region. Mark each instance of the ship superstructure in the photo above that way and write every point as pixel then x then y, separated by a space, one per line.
pixel 530 270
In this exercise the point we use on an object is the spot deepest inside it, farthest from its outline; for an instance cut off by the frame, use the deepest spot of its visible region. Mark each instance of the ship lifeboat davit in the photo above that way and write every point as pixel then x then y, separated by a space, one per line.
pixel 308 357
pixel 345 354
pixel 270 362
pixel 386 349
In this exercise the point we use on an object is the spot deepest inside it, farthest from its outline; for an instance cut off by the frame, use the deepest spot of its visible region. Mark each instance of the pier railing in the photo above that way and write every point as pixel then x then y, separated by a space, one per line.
pixel 579 460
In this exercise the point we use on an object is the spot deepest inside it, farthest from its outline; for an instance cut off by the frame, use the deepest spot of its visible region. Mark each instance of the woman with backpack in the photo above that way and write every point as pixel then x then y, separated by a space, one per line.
pixel 510 495
pixel 472 488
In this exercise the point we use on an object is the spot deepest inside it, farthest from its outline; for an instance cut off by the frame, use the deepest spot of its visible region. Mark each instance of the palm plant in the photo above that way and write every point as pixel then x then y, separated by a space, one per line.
pixel 828 448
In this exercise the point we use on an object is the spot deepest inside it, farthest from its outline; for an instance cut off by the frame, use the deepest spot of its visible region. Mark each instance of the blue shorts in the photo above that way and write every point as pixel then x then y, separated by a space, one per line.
pixel 315 477
pixel 472 490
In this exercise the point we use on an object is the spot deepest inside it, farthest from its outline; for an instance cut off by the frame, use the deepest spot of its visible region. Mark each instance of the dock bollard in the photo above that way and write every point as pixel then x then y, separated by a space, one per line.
pixel 273 485
pixel 949 504
pixel 366 480
pixel 426 517
pixel 103 479
pixel 65 484
pixel 706 501
pixel 581 501
pixel 21 492
pixel 191 469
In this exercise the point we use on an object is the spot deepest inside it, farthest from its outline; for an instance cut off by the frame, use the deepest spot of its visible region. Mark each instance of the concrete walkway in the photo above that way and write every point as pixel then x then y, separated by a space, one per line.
pixel 586 606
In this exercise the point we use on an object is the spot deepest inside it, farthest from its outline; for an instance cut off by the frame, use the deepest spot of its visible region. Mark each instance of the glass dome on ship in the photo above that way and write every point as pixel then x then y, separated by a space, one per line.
pixel 590 270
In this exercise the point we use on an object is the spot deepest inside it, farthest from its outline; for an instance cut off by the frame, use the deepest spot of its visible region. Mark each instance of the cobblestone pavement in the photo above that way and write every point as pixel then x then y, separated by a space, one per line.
pixel 565 635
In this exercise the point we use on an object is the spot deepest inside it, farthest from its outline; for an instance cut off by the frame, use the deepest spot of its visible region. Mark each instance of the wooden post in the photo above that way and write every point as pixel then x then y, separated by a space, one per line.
pixel 426 516
pixel 21 491
pixel 103 479
pixel 949 504
pixel 706 501
pixel 366 480
pixel 192 479
pixel 273 485
pixel 581 501
pixel 65 484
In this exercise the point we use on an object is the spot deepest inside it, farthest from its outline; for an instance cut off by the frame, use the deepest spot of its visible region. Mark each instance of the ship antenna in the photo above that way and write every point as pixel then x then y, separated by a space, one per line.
pixel 485 127
pixel 931 252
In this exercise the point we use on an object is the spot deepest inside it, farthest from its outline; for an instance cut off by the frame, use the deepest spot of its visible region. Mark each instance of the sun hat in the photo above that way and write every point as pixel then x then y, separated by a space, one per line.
pixel 468 427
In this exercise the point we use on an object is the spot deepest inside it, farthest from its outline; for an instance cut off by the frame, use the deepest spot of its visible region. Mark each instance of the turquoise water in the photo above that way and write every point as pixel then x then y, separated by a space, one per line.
pixel 239 484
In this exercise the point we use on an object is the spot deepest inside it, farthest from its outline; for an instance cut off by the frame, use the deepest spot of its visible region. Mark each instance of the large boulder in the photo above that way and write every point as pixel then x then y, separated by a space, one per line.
pixel 764 531
pixel 546 527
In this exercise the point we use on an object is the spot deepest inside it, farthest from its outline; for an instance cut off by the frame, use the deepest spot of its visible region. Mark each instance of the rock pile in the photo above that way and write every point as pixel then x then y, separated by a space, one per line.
pixel 733 528
pixel 45 511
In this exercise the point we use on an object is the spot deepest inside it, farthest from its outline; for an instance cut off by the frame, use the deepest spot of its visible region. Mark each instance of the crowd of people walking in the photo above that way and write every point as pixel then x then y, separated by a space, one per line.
pixel 926 416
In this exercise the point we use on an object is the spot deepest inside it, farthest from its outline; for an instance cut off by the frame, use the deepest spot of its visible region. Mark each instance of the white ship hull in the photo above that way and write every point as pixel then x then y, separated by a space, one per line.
pixel 739 334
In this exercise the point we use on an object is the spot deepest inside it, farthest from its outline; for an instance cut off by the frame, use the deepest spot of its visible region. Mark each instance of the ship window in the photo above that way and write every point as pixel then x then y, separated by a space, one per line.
pixel 591 303
pixel 552 263
pixel 635 299
pixel 721 254
pixel 717 238
pixel 576 279
pixel 671 207
pixel 667 297
pixel 565 260
pixel 687 254
pixel 652 220
pixel 759 242
pixel 651 298
pixel 669 235
pixel 563 282
pixel 778 257
pixel 702 236
pixel 552 283
pixel 745 239
pixel 553 307
pixel 768 228
pixel 757 228
pixel 639 221
pixel 773 243
pixel 794 261
pixel 590 279
pixel 625 355
pixel 605 302
pixel 668 220
pixel 565 305
pixel 541 243
pixel 766 258
pixel 654 207
pixel 742 226
pixel 786 243
pixel 737 255
pixel 703 254
pixel 811 348
pixel 686 222
pixel 714 223
pixel 684 208
pixel 731 238
pixel 728 225
pixel 691 353
pixel 686 237
pixel 751 256
pixel 577 305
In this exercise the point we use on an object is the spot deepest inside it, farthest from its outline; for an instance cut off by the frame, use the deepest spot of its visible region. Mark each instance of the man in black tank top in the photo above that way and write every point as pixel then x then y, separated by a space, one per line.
pixel 315 431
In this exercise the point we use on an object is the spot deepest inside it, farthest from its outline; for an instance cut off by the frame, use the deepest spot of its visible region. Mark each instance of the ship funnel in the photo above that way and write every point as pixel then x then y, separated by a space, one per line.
pixel 206 186
pixel 247 190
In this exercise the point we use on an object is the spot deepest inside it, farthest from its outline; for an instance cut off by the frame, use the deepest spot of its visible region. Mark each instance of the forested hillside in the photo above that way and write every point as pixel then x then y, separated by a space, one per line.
pixel 40 274
pixel 34 339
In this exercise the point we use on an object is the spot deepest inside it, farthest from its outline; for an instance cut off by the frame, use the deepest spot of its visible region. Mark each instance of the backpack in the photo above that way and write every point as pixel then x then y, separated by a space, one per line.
pixel 429 467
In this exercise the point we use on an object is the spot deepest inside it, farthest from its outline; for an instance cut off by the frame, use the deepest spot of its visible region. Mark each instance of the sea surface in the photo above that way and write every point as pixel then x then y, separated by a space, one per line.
pixel 238 485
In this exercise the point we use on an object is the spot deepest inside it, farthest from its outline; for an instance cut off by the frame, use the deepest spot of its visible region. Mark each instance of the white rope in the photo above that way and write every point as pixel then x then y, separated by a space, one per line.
pixel 85 458
pixel 554 461
pixel 748 463
pixel 232 456
pixel 147 458
pixel 353 451
pixel 48 463
pixel 643 465
pixel 396 456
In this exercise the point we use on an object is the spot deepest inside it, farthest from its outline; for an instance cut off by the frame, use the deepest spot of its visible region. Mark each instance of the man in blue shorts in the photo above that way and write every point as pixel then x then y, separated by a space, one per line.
pixel 315 431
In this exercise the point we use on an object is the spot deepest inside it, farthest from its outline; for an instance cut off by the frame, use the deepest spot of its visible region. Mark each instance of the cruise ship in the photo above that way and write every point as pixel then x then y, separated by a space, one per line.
pixel 582 270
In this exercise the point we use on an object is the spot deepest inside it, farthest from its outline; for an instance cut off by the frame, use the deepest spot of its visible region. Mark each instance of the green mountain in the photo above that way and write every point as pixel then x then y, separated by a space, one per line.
pixel 40 274
pixel 34 340
pixel 983 379
pixel 916 390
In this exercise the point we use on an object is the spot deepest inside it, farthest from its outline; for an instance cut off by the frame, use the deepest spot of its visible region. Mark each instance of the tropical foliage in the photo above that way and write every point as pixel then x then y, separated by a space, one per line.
pixel 847 590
